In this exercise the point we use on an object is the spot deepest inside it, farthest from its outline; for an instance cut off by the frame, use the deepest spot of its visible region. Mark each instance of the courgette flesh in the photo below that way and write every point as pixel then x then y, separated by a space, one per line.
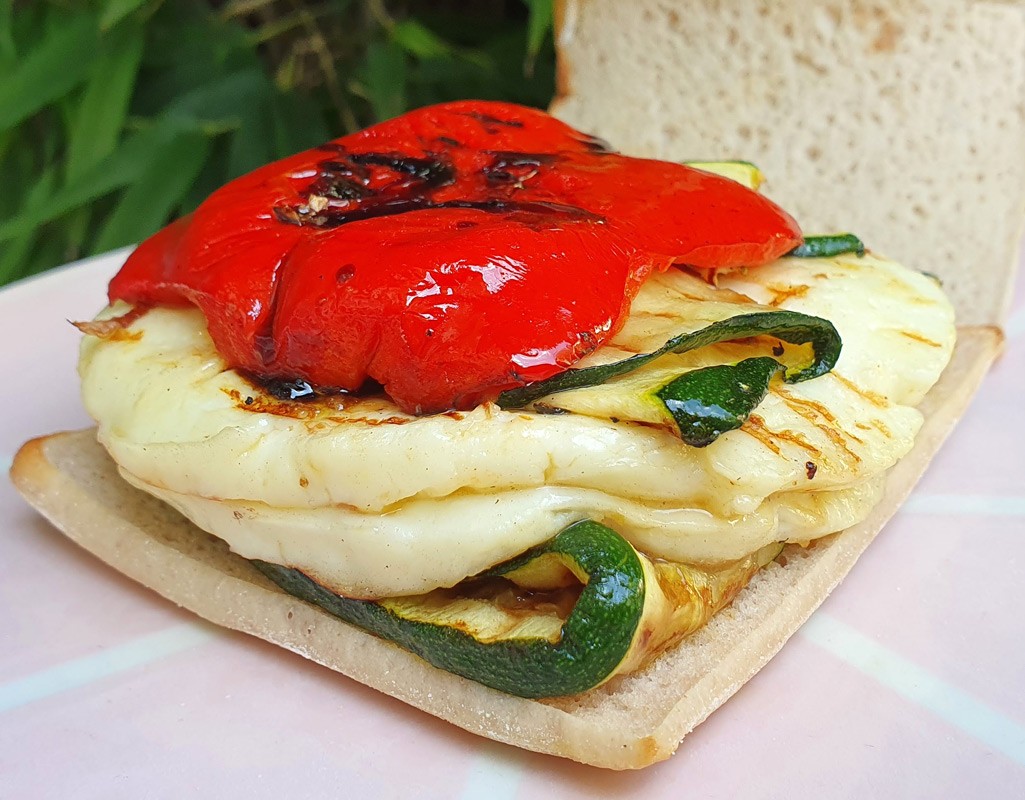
pixel 629 606
pixel 743 172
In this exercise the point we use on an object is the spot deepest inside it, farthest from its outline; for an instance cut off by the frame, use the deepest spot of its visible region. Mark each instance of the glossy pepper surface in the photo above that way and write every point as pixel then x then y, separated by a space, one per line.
pixel 449 254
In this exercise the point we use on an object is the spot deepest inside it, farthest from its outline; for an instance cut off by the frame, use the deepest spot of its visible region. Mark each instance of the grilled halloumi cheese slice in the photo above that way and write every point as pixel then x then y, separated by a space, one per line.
pixel 374 503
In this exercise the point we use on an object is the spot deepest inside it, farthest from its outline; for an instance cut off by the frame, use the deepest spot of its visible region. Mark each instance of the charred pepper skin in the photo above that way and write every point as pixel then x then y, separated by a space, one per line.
pixel 449 254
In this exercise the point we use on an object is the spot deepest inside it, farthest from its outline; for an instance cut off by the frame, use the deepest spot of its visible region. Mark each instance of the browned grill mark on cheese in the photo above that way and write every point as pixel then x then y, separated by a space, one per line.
pixel 373 421
pixel 814 413
pixel 338 409
pixel 319 409
pixel 808 409
pixel 783 293
pixel 919 338
pixel 755 426
pixel 835 435
pixel 823 420
pixel 262 404
pixel 875 399
pixel 879 425
pixel 716 294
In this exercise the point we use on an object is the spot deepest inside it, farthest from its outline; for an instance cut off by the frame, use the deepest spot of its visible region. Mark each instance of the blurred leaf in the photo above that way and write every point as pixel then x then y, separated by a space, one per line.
pixel 187 48
pixel 496 74
pixel 539 22
pixel 211 177
pixel 117 10
pixel 76 228
pixel 305 16
pixel 298 124
pixel 16 252
pixel 28 26
pixel 8 51
pixel 14 256
pixel 223 100
pixel 385 79
pixel 192 36
pixel 252 144
pixel 419 40
pixel 104 106
pixel 156 193
pixel 11 172
pixel 121 168
pixel 462 29
pixel 55 66
pixel 48 252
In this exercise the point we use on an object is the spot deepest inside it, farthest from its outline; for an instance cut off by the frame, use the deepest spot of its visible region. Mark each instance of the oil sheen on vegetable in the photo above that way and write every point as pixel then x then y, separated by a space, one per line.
pixel 449 254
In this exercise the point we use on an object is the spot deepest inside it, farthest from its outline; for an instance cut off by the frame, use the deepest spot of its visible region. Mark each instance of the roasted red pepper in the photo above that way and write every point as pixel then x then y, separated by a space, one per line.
pixel 448 254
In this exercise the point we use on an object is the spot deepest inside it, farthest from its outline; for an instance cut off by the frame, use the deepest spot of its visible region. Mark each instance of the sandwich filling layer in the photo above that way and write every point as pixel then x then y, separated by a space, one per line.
pixel 372 502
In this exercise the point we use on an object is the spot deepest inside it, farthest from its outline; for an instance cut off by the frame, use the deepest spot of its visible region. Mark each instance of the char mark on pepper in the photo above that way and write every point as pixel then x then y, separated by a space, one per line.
pixel 515 168
pixel 488 122
pixel 349 180
pixel 431 171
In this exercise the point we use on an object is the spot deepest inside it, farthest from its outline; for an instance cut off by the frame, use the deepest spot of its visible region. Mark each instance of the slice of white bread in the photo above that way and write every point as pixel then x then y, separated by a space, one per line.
pixel 901 121
pixel 630 722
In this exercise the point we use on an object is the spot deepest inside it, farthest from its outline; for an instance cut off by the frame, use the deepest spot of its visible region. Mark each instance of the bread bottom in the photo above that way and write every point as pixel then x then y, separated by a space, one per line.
pixel 630 722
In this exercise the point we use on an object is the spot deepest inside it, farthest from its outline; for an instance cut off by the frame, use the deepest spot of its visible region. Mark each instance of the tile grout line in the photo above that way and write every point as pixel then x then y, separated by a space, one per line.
pixel 110 661
pixel 918 685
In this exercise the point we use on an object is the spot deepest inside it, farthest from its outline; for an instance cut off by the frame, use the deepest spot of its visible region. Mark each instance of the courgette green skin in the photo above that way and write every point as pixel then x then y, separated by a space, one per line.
pixel 828 246
pixel 790 326
pixel 595 638
pixel 707 402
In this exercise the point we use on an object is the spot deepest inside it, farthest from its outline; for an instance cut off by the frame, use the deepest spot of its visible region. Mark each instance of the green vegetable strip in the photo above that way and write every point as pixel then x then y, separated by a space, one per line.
pixel 708 402
pixel 595 638
pixel 790 326
pixel 828 246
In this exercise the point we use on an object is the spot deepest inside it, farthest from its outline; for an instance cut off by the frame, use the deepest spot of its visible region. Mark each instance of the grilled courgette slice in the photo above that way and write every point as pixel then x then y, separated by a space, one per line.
pixel 626 606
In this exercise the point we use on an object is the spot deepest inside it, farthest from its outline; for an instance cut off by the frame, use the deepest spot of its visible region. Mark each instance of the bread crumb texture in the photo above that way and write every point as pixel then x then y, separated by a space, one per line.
pixel 903 122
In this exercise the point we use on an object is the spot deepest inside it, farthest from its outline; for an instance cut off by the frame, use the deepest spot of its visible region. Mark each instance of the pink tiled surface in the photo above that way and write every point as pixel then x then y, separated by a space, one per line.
pixel 934 602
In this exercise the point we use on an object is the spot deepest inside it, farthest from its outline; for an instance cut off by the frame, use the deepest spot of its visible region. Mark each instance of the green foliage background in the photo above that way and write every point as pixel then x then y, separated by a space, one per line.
pixel 118 115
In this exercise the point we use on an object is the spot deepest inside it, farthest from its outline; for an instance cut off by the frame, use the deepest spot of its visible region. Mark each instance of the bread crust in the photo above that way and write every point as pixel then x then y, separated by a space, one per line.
pixel 630 722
